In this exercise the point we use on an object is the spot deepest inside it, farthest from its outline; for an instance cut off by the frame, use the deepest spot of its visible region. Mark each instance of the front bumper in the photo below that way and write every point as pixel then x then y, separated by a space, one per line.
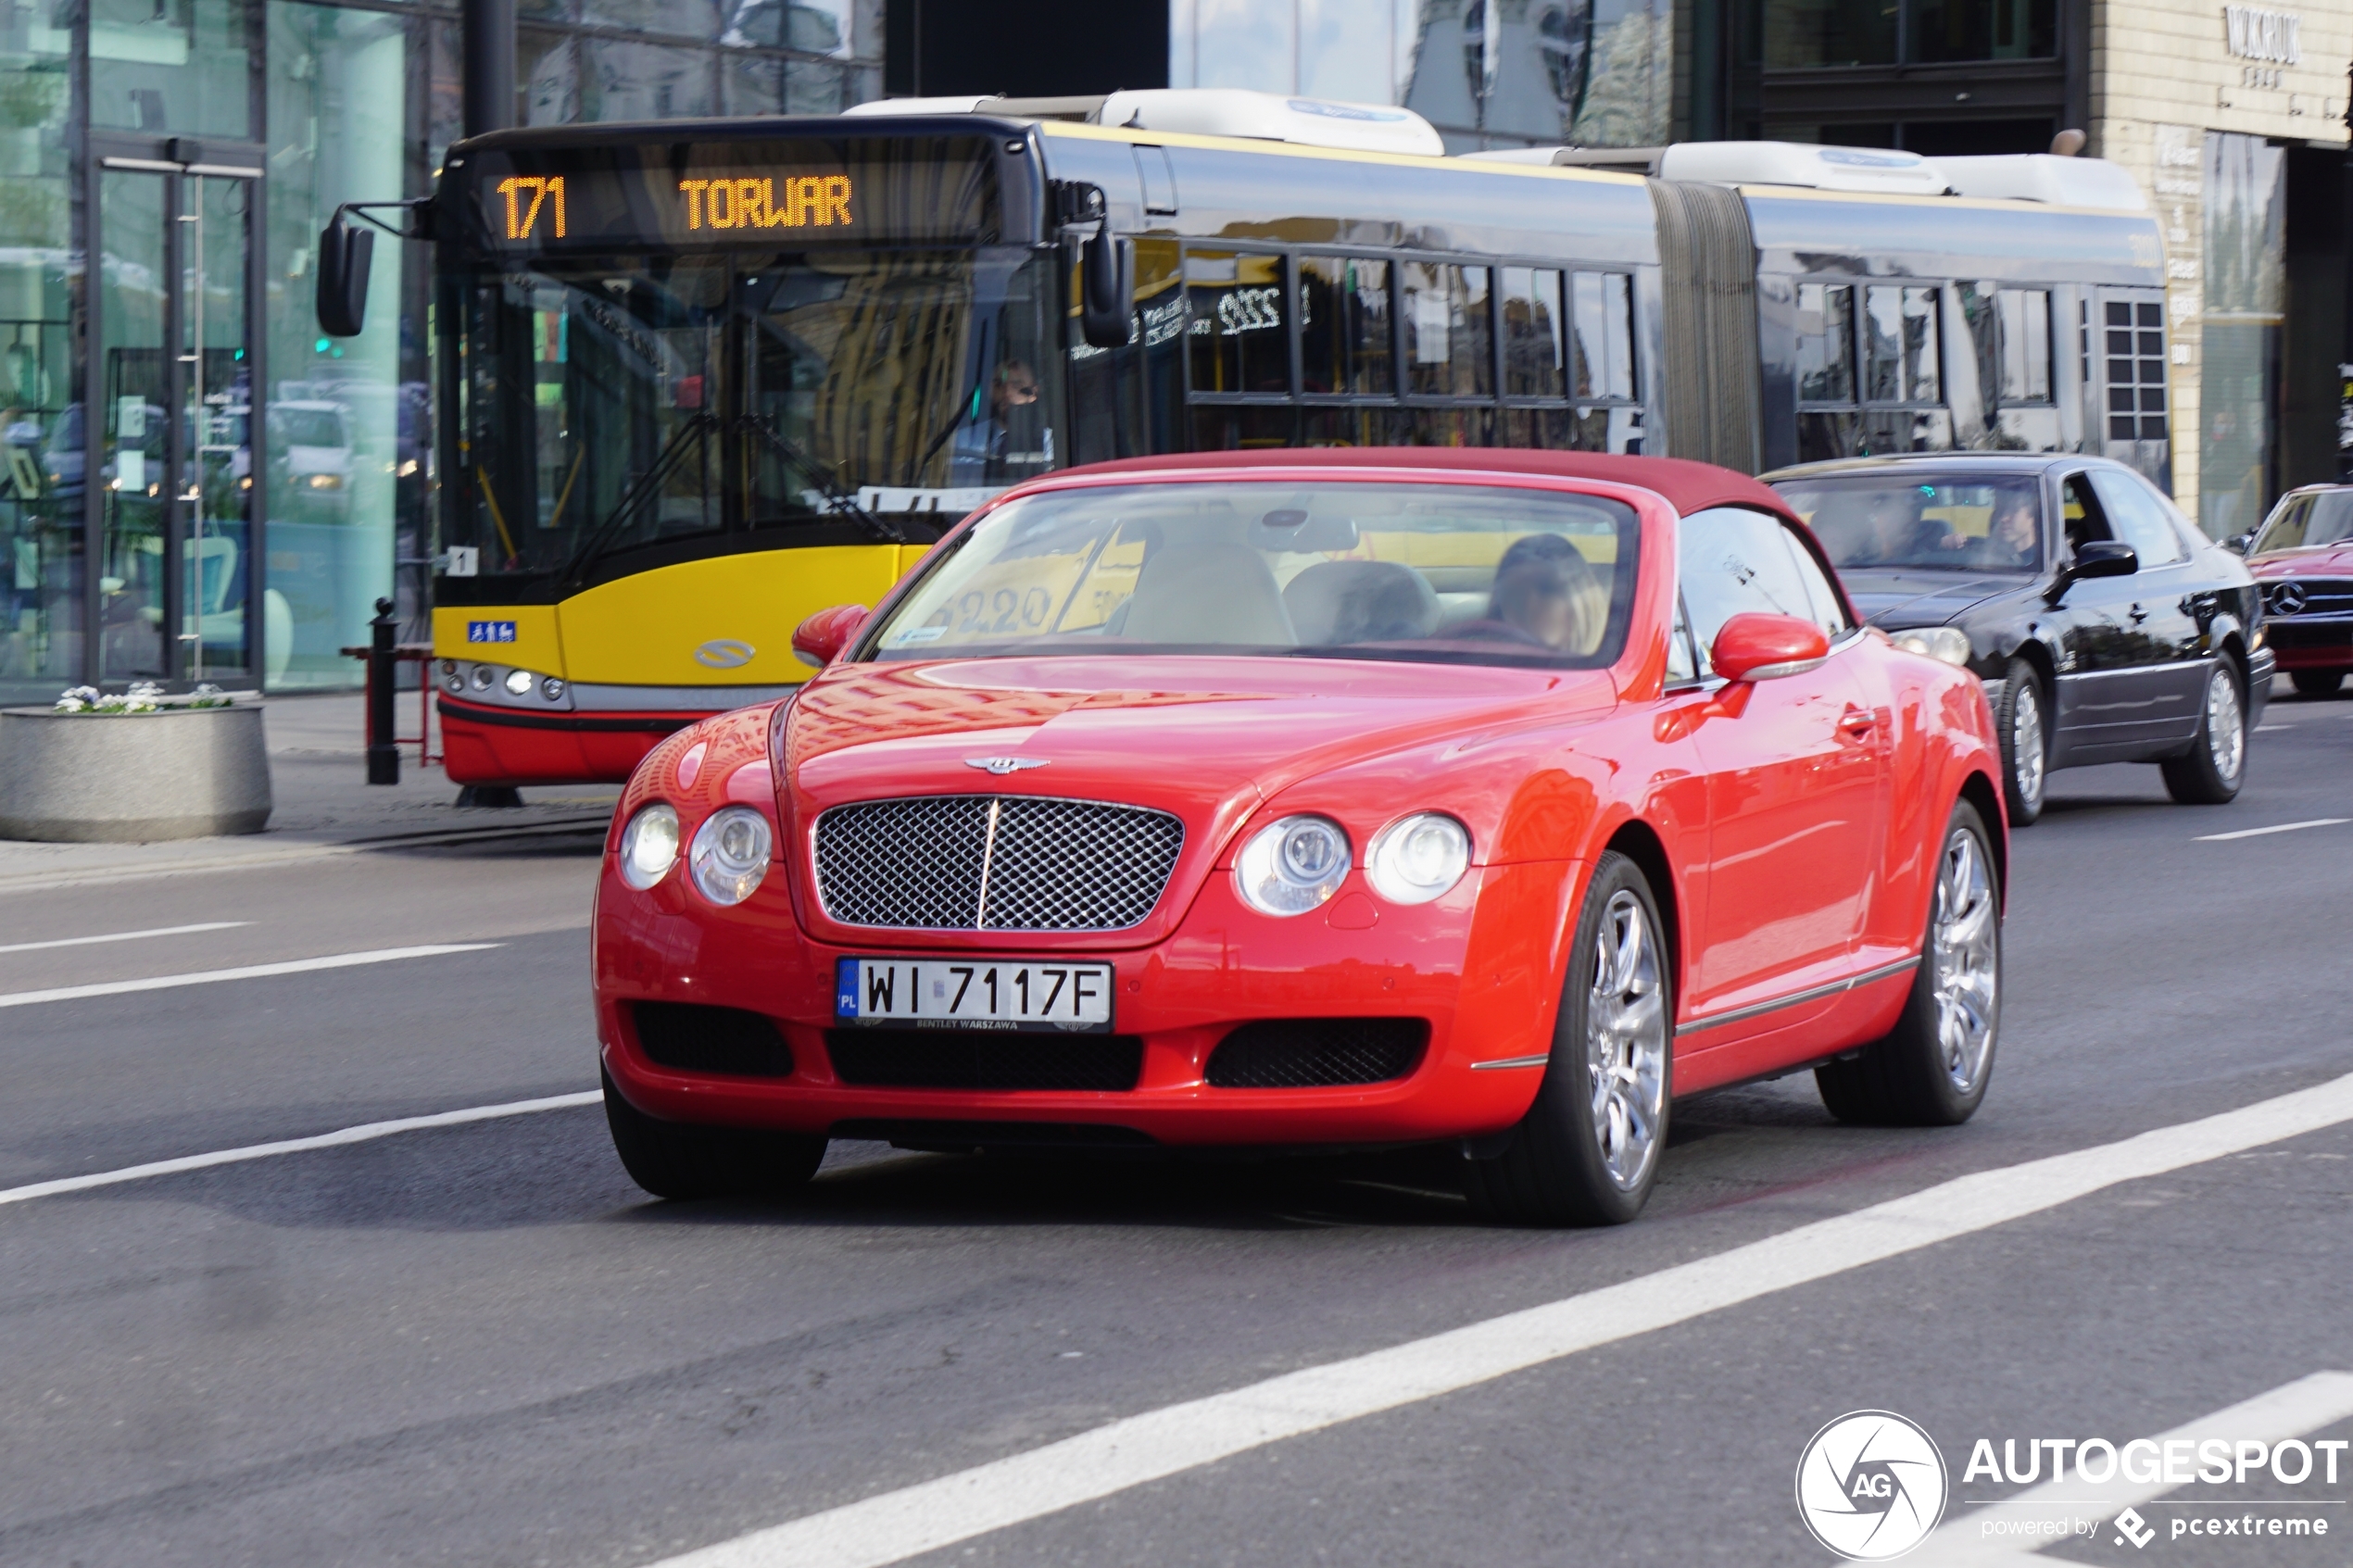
pixel 1475 965
pixel 484 745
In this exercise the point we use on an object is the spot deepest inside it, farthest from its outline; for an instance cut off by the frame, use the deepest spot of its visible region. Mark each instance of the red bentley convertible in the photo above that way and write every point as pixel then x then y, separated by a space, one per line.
pixel 1314 799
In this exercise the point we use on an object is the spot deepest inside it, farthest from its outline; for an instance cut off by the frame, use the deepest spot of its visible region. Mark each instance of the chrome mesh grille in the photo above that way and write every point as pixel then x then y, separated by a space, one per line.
pixel 994 862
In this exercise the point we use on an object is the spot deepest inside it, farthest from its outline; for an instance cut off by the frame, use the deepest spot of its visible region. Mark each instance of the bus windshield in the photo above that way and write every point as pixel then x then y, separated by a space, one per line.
pixel 1448 573
pixel 623 411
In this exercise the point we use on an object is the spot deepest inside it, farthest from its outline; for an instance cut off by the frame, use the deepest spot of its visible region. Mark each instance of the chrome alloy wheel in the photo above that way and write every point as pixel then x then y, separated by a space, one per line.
pixel 2027 759
pixel 1965 955
pixel 2225 727
pixel 1626 1042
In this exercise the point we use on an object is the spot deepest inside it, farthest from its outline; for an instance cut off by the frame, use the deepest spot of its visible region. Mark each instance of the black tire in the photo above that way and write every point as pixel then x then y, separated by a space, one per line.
pixel 681 1159
pixel 1554 1170
pixel 2210 772
pixel 2317 682
pixel 1912 1076
pixel 2022 719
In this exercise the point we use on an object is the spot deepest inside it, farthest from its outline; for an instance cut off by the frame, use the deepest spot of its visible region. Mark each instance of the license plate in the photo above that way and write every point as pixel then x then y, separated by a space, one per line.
pixel 1034 993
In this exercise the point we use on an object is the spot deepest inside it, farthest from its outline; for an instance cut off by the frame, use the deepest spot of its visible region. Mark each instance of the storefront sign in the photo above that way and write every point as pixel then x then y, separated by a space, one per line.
pixel 2253 34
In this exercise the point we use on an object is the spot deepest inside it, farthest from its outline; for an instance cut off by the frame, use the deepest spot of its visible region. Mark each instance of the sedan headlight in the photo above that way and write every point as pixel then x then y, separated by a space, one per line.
pixel 1291 866
pixel 647 845
pixel 1948 643
pixel 730 854
pixel 1416 858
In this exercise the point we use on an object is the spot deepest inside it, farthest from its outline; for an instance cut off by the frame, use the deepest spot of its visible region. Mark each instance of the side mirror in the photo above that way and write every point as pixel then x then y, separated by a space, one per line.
pixel 2238 544
pixel 819 640
pixel 2097 557
pixel 1106 289
pixel 345 252
pixel 1763 648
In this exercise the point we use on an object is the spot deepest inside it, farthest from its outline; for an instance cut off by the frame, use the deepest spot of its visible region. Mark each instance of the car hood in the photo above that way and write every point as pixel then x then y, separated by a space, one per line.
pixel 1208 739
pixel 2330 560
pixel 1896 599
pixel 318 459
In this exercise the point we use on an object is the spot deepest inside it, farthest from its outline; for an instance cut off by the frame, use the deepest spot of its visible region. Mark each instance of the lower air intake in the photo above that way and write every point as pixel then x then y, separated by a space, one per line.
pixel 693 1038
pixel 956 1058
pixel 1314 1053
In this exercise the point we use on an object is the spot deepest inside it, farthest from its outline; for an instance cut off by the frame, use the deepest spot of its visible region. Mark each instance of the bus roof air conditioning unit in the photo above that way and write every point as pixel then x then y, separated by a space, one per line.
pixel 1208 111
pixel 2041 177
pixel 1880 171
pixel 1273 116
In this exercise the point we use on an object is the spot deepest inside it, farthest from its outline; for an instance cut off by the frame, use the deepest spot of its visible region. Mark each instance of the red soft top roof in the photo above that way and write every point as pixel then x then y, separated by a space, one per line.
pixel 1688 486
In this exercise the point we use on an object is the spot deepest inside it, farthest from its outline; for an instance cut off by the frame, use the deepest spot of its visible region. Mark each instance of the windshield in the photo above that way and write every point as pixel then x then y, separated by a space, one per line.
pixel 306 427
pixel 616 405
pixel 2324 517
pixel 1938 525
pixel 1457 573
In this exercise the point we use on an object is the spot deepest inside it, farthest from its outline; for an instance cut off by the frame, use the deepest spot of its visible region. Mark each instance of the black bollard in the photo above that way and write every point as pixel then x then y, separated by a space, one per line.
pixel 383 757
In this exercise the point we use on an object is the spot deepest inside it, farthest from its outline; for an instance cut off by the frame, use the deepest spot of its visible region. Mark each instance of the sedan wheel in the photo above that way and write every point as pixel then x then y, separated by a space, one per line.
pixel 2210 772
pixel 1931 1069
pixel 1587 1152
pixel 2025 746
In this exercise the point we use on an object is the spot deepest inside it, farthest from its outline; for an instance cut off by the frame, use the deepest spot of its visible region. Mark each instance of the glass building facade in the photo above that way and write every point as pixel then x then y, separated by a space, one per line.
pixel 195 484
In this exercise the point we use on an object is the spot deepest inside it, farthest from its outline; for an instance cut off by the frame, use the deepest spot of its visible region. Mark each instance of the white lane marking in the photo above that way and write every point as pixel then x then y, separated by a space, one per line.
pixel 364 1133
pixel 2282 827
pixel 246 971
pixel 2289 1411
pixel 2270 729
pixel 125 935
pixel 892 1526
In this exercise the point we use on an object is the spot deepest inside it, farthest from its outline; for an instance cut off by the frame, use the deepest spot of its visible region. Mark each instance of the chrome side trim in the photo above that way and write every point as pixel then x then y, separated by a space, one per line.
pixel 2136 669
pixel 1812 993
pixel 1539 1060
pixel 674 699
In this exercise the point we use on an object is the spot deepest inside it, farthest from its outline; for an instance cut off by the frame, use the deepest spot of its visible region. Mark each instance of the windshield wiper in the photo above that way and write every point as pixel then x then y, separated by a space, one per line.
pixel 822 479
pixel 642 489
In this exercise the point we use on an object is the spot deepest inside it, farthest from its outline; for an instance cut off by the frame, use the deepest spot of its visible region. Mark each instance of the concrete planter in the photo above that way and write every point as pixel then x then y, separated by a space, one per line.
pixel 82 778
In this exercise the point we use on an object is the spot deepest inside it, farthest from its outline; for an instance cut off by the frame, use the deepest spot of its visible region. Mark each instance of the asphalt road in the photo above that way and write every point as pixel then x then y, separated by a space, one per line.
pixel 479 1344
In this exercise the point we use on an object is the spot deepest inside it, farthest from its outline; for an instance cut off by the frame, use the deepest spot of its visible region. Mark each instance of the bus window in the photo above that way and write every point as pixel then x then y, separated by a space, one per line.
pixel 1237 328
pixel 1899 346
pixel 1446 341
pixel 1825 342
pixel 1534 365
pixel 1344 325
pixel 2026 345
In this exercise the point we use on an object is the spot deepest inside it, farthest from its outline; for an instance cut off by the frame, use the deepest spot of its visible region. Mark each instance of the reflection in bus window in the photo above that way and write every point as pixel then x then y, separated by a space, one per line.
pixel 1446 342
pixel 1237 329
pixel 1534 364
pixel 1343 323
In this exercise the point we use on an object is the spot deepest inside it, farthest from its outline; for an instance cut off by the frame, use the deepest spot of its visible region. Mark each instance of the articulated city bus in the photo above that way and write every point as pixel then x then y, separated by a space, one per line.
pixel 700 379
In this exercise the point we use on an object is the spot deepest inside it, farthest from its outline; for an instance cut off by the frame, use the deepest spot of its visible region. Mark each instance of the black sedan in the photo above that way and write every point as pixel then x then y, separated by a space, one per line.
pixel 2105 626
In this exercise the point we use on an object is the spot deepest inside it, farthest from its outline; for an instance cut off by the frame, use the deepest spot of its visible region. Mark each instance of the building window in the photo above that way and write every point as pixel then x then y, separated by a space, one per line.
pixel 1809 34
pixel 2135 372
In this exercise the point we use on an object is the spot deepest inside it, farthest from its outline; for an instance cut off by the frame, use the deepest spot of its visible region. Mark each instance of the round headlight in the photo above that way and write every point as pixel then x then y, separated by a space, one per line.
pixel 552 689
pixel 1289 866
pixel 1416 858
pixel 482 677
pixel 647 845
pixel 1948 643
pixel 730 854
pixel 518 683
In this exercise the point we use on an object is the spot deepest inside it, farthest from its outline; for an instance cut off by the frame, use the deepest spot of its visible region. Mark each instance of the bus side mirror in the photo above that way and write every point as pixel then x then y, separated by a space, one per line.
pixel 1106 289
pixel 346 250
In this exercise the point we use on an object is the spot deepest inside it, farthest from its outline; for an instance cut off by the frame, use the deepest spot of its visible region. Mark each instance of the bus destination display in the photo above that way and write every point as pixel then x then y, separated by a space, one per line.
pixel 666 205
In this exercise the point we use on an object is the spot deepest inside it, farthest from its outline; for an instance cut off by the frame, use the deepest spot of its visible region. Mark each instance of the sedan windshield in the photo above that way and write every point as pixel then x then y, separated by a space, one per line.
pixel 2303 521
pixel 1887 520
pixel 1453 573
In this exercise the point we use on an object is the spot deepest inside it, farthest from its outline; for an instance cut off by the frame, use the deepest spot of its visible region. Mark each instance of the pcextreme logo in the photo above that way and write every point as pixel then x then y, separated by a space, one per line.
pixel 1871 1486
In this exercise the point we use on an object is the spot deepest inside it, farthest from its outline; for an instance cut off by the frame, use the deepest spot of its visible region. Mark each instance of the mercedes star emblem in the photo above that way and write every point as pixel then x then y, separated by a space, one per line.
pixel 1002 765
pixel 2287 599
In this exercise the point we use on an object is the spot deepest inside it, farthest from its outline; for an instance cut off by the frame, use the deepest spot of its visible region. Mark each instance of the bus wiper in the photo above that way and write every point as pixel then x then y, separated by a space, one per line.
pixel 822 479
pixel 644 488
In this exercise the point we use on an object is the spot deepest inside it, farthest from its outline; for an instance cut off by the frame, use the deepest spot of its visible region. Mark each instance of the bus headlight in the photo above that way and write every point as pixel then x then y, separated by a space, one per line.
pixel 649 844
pixel 1291 866
pixel 1416 858
pixel 552 689
pixel 730 854
pixel 519 682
